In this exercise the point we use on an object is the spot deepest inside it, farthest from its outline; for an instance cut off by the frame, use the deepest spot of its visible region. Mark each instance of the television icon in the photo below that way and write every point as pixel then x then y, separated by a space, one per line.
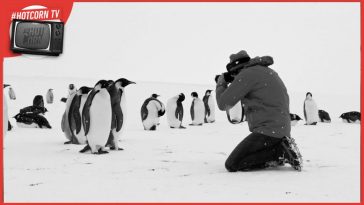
pixel 37 37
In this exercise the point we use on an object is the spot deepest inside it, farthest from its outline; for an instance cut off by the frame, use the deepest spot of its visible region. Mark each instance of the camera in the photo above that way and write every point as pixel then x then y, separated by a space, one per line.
pixel 233 68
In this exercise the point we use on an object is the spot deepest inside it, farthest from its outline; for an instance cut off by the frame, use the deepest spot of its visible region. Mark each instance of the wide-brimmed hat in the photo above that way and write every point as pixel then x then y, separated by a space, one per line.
pixel 241 56
pixel 237 59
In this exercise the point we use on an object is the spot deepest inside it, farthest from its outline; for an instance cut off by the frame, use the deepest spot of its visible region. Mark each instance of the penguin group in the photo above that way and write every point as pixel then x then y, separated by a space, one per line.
pixel 95 116
pixel 201 111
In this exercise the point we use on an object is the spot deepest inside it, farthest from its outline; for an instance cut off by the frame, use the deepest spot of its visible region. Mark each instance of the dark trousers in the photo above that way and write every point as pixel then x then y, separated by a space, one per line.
pixel 254 152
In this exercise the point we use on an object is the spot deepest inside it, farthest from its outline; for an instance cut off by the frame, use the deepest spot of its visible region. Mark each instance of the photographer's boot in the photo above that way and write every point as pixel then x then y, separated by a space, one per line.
pixel 291 154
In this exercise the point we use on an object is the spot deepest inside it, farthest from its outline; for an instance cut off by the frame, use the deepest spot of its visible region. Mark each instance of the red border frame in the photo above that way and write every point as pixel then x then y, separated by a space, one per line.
pixel 5 5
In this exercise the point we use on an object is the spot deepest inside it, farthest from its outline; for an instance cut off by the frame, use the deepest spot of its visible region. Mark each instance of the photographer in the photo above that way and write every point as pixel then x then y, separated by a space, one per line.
pixel 266 104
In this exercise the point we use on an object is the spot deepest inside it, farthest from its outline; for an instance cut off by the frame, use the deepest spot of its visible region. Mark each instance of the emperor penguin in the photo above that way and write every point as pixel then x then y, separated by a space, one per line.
pixel 324 116
pixel 71 89
pixel 294 119
pixel 351 117
pixel 49 96
pixel 96 117
pixel 118 105
pixel 209 103
pixel 65 124
pixel 197 110
pixel 310 110
pixel 174 111
pixel 235 114
pixel 74 114
pixel 150 112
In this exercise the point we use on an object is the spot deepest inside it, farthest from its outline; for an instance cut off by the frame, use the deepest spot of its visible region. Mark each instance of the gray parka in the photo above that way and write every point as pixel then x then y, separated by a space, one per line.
pixel 265 100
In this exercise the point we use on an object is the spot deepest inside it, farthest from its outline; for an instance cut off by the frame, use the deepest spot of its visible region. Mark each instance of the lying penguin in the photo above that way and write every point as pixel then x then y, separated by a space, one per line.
pixel 351 117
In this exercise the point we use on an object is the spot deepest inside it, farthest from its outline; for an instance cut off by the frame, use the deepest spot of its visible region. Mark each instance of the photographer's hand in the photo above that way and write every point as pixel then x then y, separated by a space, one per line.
pixel 221 81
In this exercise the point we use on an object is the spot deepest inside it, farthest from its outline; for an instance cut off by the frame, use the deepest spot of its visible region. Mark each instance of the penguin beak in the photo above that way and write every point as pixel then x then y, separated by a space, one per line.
pixel 131 82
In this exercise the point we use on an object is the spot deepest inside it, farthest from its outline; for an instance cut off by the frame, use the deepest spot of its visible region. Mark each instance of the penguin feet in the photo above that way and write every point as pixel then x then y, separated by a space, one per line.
pixel 101 151
pixel 181 127
pixel 85 149
pixel 68 142
pixel 114 148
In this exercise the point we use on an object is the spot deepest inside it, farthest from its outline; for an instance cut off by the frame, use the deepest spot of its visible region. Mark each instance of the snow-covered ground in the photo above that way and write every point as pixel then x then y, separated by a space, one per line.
pixel 171 165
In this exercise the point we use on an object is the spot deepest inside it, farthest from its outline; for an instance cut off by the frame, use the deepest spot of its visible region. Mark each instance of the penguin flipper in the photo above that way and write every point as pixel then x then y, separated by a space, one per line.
pixel 119 117
pixel 304 110
pixel 179 111
pixel 144 112
pixel 86 111
pixel 72 116
pixel 228 116
pixel 242 113
pixel 63 121
pixel 180 117
pixel 192 111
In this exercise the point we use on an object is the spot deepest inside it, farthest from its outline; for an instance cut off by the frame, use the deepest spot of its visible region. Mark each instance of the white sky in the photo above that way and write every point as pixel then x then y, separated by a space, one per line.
pixel 316 46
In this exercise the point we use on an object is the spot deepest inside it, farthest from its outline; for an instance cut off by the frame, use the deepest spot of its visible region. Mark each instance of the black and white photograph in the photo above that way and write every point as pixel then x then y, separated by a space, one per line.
pixel 184 102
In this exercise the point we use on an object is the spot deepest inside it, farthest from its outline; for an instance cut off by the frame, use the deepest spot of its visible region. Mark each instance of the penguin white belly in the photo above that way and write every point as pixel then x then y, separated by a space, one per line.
pixel 311 112
pixel 66 126
pixel 23 125
pixel 100 120
pixel 294 122
pixel 152 118
pixel 5 116
pixel 235 112
pixel 199 111
pixel 211 104
pixel 81 138
pixel 171 114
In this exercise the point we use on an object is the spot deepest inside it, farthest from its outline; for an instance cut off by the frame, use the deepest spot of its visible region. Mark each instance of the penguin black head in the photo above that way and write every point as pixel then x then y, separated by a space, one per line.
pixel 155 95
pixel 71 86
pixel 50 89
pixel 308 93
pixel 208 92
pixel 181 97
pixel 38 101
pixel 101 84
pixel 110 82
pixel 123 82
pixel 6 85
pixel 84 90
pixel 194 95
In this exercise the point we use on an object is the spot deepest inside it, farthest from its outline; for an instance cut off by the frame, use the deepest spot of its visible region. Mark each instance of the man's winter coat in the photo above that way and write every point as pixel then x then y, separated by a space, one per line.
pixel 264 96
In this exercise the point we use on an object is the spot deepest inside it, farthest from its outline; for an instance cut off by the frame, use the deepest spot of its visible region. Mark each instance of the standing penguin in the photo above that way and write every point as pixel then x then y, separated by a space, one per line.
pixel 12 95
pixel 65 124
pixel 150 112
pixel 96 117
pixel 175 111
pixel 118 104
pixel 74 115
pixel 197 110
pixel 71 89
pixel 209 103
pixel 310 110
pixel 49 96
pixel 235 114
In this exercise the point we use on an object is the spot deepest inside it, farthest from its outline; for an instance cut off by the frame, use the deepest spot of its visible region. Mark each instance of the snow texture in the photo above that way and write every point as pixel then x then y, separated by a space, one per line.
pixel 173 165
